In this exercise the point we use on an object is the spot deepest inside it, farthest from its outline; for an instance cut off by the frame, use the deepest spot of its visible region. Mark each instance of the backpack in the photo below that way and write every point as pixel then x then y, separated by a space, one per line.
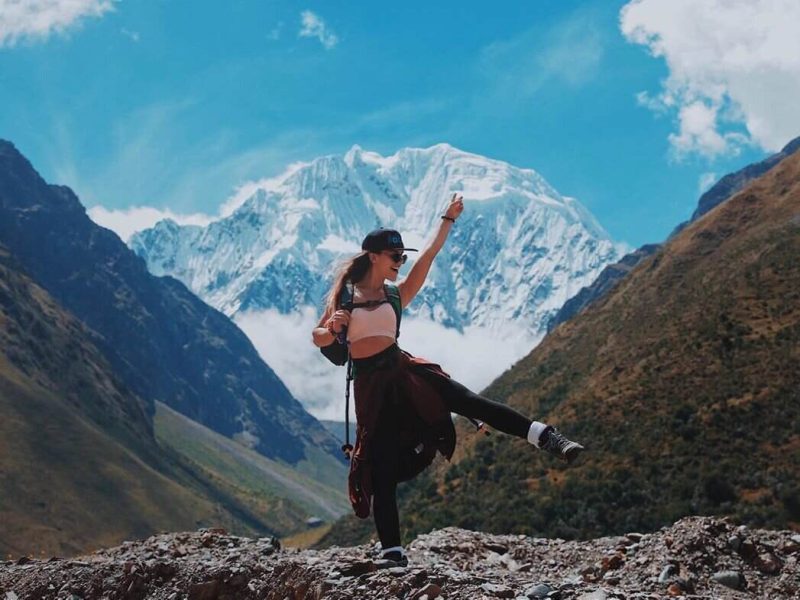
pixel 337 351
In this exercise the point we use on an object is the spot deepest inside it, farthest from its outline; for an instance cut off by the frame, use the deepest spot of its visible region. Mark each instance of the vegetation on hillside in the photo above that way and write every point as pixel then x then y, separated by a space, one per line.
pixel 683 383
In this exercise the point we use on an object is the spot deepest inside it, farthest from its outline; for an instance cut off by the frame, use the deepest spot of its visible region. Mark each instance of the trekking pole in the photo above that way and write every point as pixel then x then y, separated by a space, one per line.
pixel 347 448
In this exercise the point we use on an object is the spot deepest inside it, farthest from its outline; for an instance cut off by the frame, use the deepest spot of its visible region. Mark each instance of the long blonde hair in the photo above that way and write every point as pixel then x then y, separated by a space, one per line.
pixel 354 270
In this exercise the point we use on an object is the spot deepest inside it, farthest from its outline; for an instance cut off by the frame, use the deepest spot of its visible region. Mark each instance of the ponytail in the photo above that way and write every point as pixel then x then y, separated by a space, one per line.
pixel 353 270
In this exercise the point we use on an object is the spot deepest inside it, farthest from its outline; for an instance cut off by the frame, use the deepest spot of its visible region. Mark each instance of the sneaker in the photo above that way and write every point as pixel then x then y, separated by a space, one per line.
pixel 395 558
pixel 555 443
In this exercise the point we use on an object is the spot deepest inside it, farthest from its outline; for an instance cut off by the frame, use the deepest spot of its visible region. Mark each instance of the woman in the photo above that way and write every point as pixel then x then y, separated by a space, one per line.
pixel 403 403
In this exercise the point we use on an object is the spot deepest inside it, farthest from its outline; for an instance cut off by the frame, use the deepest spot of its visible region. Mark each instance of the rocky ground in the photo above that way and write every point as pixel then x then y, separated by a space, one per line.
pixel 697 557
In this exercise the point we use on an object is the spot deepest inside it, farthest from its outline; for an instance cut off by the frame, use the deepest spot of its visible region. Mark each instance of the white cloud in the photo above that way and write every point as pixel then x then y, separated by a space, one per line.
pixel 734 70
pixel 705 181
pixel 126 222
pixel 133 35
pixel 284 342
pixel 37 19
pixel 314 26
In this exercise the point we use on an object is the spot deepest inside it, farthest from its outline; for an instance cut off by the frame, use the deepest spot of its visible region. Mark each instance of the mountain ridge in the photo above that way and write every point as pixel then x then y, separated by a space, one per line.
pixel 161 340
pixel 79 462
pixel 714 196
pixel 294 226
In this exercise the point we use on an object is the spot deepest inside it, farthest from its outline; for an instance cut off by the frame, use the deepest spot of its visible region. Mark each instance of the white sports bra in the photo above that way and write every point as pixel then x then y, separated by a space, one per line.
pixel 366 322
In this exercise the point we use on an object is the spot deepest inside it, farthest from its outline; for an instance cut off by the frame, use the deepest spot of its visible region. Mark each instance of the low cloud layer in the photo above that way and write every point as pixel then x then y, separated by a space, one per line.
pixel 127 221
pixel 37 19
pixel 284 342
pixel 734 70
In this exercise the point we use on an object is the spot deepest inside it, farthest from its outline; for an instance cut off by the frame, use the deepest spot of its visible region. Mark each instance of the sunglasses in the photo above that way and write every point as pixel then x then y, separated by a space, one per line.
pixel 398 257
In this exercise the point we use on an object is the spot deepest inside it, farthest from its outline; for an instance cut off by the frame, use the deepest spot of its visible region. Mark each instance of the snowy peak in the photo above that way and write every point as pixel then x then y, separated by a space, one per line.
pixel 519 251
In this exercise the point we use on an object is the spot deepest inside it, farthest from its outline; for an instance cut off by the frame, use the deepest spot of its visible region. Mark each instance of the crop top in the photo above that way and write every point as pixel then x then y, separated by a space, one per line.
pixel 371 322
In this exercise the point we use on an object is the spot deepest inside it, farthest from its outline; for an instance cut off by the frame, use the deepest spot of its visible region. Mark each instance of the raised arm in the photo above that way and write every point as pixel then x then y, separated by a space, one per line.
pixel 416 277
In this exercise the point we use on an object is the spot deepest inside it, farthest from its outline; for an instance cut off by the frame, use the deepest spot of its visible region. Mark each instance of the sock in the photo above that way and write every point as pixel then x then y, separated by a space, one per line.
pixel 535 432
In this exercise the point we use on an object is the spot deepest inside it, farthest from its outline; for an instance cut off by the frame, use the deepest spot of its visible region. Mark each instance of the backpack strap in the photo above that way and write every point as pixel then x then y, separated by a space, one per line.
pixel 393 294
pixel 346 295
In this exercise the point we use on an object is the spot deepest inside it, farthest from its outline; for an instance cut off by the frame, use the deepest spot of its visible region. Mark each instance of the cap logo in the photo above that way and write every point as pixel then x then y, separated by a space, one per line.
pixel 395 239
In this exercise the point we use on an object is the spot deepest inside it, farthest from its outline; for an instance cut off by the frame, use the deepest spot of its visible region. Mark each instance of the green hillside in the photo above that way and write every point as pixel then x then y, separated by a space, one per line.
pixel 267 486
pixel 80 466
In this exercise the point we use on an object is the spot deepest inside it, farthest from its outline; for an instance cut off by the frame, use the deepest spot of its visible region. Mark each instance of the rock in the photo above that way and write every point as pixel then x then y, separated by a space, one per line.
pixel 595 595
pixel 499 548
pixel 611 578
pixel 667 573
pixel 431 590
pixel 674 589
pixel 791 548
pixel 538 590
pixel 354 569
pixel 634 537
pixel 768 563
pixel 735 543
pixel 747 550
pixel 732 579
pixel 164 570
pixel 609 563
pixel 23 560
pixel 465 566
pixel 208 590
pixel 419 577
pixel 498 590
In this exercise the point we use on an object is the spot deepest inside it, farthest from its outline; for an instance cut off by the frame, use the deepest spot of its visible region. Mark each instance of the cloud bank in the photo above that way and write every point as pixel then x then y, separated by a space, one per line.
pixel 284 342
pixel 37 19
pixel 734 70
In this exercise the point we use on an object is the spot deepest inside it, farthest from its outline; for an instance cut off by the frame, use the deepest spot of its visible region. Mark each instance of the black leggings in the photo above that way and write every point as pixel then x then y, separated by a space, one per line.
pixel 459 400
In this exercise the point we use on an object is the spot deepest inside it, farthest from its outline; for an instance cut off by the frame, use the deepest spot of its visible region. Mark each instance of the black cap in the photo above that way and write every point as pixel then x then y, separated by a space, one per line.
pixel 384 239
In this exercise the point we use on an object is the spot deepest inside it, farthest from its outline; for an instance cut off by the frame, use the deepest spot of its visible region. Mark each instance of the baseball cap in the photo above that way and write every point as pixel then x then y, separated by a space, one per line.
pixel 384 239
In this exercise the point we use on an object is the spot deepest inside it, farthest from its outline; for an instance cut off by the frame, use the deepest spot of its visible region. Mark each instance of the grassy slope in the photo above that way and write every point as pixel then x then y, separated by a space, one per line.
pixel 68 487
pixel 268 486
pixel 684 383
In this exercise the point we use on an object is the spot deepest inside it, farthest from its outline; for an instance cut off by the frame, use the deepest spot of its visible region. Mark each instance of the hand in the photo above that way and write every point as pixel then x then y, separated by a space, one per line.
pixel 456 206
pixel 339 320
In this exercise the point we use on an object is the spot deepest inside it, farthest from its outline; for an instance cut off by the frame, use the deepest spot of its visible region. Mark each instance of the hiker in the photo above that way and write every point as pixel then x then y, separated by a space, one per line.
pixel 403 403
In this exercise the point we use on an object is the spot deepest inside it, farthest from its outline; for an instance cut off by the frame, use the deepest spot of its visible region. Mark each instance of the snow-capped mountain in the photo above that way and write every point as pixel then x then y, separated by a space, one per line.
pixel 518 252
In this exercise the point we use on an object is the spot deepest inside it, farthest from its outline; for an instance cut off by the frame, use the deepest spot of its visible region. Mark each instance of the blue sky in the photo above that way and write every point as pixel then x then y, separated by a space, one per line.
pixel 172 104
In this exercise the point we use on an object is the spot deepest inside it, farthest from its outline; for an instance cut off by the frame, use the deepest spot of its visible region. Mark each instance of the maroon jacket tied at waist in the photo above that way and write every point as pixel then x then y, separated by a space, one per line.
pixel 420 423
